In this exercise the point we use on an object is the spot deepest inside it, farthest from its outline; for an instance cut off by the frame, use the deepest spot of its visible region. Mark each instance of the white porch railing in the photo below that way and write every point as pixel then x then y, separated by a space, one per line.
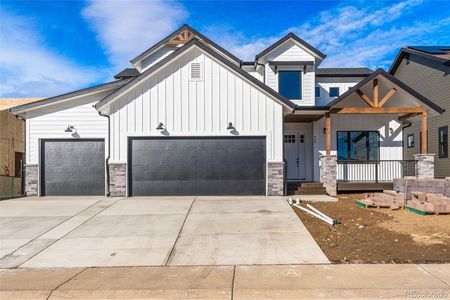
pixel 374 171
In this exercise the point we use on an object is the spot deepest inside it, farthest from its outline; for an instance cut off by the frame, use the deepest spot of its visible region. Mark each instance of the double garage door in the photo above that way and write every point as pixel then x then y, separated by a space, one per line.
pixel 158 166
pixel 197 166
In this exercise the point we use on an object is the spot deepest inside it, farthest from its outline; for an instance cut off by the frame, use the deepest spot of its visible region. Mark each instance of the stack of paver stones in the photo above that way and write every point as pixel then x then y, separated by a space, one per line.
pixel 427 196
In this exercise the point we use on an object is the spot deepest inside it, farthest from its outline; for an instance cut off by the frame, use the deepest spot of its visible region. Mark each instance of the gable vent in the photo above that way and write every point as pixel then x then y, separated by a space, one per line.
pixel 196 71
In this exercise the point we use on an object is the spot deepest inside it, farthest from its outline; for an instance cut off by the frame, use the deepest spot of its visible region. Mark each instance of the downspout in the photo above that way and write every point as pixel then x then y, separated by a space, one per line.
pixel 264 66
pixel 109 153
pixel 404 126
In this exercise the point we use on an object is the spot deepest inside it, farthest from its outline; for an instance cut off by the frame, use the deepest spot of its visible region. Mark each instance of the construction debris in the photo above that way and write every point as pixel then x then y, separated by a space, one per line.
pixel 318 214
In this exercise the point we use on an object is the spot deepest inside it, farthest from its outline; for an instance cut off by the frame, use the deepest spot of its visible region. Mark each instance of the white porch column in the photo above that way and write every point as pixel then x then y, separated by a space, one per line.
pixel 425 166
pixel 328 169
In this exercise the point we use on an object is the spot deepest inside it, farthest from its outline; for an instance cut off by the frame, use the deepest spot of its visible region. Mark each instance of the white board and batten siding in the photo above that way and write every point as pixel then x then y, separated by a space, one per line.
pixel 195 107
pixel 290 51
pixel 51 122
pixel 325 83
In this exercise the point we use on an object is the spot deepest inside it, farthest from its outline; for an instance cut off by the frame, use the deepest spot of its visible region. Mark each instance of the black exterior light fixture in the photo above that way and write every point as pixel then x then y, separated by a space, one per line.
pixel 69 128
pixel 160 126
pixel 230 126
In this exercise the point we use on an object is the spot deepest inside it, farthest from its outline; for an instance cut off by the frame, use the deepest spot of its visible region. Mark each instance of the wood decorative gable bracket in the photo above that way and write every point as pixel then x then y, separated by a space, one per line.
pixel 376 106
pixel 182 38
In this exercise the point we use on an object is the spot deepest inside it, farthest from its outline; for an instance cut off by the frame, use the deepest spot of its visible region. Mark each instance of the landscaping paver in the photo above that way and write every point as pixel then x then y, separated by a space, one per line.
pixel 33 284
pixel 149 283
pixel 332 281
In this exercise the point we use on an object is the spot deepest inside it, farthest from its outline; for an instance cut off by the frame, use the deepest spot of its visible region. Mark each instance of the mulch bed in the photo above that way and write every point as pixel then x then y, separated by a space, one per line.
pixel 378 235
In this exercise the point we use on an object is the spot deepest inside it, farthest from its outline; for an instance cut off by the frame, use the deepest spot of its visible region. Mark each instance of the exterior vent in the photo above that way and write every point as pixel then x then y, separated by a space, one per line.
pixel 196 71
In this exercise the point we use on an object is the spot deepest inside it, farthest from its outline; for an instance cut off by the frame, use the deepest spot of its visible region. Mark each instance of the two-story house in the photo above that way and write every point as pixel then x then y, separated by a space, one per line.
pixel 190 118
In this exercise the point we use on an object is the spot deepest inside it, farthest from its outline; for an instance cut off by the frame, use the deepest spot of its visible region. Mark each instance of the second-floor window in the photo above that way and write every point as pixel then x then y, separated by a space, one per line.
pixel 317 91
pixel 334 92
pixel 290 84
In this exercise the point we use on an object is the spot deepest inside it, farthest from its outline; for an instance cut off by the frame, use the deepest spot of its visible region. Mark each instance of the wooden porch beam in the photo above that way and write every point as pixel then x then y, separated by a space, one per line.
pixel 377 110
pixel 375 93
pixel 364 97
pixel 424 133
pixel 328 133
pixel 387 97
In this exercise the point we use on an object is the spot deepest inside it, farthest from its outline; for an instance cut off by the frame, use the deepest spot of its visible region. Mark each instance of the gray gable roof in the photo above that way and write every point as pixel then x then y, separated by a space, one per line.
pixel 127 73
pixel 176 53
pixel 98 88
pixel 174 34
pixel 284 39
pixel 343 72
pixel 411 50
pixel 394 80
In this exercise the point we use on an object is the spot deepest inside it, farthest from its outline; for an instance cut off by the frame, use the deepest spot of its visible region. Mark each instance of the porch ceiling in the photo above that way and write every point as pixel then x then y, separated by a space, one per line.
pixel 302 118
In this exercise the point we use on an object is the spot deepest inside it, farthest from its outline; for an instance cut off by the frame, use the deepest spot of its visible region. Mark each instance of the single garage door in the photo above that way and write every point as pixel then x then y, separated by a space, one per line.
pixel 197 166
pixel 72 167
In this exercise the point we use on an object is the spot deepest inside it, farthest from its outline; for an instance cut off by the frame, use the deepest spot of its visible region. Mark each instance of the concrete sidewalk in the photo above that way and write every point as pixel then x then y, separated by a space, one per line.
pixel 230 282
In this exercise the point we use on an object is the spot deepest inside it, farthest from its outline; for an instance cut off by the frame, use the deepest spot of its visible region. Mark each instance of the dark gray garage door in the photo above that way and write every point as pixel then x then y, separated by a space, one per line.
pixel 197 166
pixel 73 167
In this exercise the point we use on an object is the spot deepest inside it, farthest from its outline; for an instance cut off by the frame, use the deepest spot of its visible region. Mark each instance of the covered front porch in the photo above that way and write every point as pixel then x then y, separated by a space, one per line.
pixel 357 140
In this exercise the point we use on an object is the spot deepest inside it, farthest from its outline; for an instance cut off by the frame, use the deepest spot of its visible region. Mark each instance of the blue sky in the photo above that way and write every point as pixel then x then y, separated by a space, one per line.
pixel 51 47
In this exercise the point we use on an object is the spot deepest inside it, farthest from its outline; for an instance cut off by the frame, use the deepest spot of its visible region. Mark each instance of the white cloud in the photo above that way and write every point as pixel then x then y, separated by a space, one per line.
pixel 29 69
pixel 360 34
pixel 125 28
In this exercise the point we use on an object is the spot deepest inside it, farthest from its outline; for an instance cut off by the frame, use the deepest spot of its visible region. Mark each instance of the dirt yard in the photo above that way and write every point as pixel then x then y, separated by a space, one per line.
pixel 378 235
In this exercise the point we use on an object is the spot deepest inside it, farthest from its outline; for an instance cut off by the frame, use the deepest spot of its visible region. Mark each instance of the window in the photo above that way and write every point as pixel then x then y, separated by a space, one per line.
pixel 334 92
pixel 410 141
pixel 289 138
pixel 443 142
pixel 290 84
pixel 317 91
pixel 358 145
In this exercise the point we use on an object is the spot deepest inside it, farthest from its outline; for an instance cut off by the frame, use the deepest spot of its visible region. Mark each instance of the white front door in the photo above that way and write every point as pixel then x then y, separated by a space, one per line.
pixel 295 155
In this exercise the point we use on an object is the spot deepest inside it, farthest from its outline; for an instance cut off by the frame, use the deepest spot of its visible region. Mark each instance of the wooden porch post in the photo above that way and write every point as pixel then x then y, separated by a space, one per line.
pixel 328 133
pixel 424 133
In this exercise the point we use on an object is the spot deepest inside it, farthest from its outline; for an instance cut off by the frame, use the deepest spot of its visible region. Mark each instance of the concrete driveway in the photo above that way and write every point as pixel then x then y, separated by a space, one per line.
pixel 152 231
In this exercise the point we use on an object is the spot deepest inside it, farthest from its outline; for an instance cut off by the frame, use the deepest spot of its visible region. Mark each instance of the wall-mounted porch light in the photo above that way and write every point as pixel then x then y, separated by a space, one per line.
pixel 160 126
pixel 70 128
pixel 230 127
pixel 324 130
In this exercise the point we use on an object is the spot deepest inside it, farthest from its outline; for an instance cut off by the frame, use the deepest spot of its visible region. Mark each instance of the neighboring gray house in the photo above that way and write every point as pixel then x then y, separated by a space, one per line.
pixel 190 118
pixel 427 71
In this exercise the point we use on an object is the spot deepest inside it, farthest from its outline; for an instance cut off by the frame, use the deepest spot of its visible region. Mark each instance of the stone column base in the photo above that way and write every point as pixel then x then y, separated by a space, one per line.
pixel 328 166
pixel 275 179
pixel 31 180
pixel 425 166
pixel 118 180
